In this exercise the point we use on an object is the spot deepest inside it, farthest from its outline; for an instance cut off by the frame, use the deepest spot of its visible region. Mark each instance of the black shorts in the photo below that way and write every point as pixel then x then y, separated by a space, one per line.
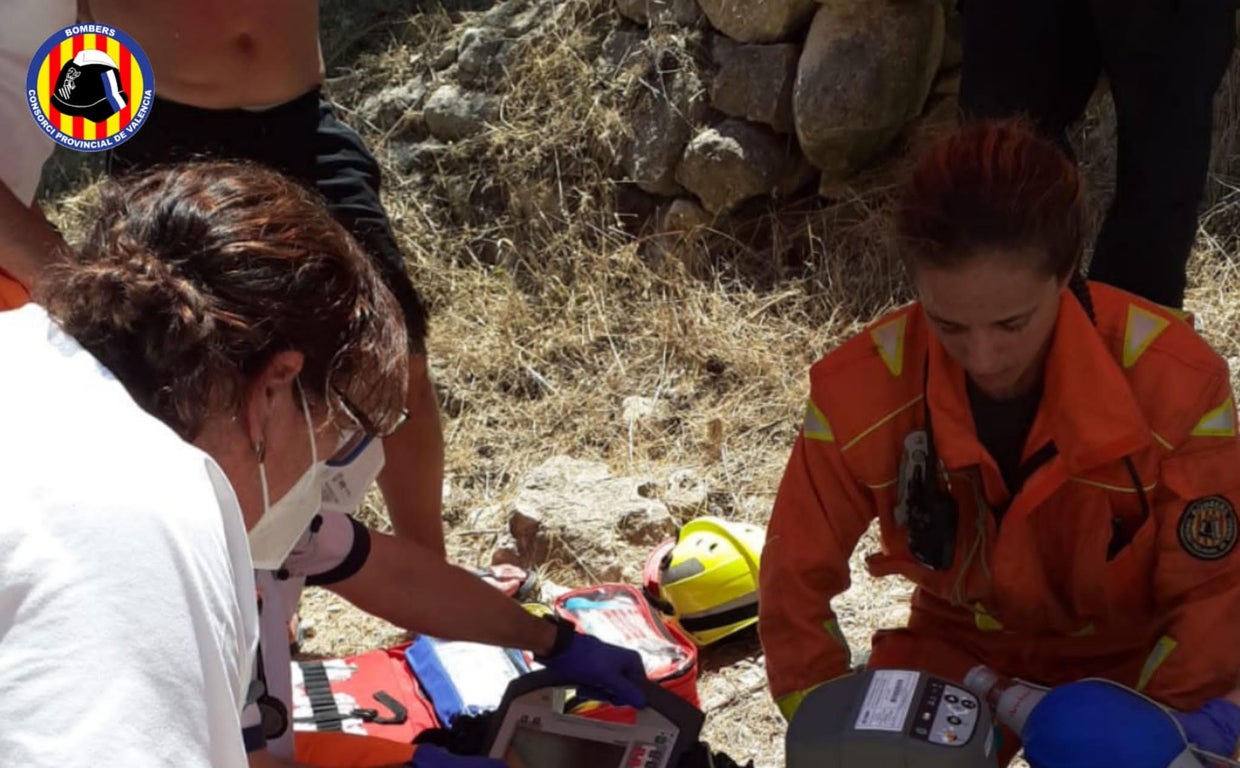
pixel 302 139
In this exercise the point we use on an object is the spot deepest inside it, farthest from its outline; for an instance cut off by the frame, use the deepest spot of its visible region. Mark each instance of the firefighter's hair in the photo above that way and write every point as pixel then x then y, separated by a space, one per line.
pixel 993 186
pixel 193 276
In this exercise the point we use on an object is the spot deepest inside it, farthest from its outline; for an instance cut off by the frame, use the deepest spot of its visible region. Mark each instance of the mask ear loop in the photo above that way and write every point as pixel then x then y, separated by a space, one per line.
pixel 305 410
pixel 260 450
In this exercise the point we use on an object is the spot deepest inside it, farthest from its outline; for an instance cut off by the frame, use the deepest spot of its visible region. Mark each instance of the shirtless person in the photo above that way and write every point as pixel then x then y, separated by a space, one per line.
pixel 240 79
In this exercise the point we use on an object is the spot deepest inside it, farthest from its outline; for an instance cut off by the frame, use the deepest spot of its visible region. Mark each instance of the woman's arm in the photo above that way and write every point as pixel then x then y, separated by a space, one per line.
pixel 413 587
pixel 1197 573
pixel 820 513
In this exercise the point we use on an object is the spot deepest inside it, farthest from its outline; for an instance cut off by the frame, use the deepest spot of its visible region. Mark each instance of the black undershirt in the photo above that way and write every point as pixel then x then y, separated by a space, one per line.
pixel 1003 427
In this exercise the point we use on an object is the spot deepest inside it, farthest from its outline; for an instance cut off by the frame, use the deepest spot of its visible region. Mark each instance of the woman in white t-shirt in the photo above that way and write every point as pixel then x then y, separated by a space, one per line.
pixel 235 310
pixel 183 382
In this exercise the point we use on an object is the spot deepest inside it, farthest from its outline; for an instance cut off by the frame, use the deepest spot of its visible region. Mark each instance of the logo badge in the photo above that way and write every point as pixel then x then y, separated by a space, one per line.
pixel 1208 528
pixel 90 87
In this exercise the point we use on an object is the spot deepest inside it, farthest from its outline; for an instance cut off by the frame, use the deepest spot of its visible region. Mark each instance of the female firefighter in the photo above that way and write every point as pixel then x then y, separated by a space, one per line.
pixel 1053 463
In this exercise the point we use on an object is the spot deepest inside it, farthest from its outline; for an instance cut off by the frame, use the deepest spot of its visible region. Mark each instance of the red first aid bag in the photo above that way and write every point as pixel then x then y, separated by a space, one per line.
pixel 370 694
pixel 619 614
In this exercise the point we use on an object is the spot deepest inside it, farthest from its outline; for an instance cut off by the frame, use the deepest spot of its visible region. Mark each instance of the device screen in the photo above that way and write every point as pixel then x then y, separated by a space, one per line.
pixel 532 748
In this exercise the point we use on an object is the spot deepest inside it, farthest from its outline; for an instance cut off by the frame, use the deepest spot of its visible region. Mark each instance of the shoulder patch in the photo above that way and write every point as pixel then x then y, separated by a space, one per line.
pixel 1219 422
pixel 1140 331
pixel 889 339
pixel 1208 528
pixel 816 426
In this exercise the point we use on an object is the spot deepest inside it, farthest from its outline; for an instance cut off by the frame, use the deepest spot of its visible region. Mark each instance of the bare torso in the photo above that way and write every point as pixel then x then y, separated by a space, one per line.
pixel 221 54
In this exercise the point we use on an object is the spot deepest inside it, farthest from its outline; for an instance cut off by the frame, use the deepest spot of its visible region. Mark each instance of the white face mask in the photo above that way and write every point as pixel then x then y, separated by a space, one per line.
pixel 283 522
pixel 347 479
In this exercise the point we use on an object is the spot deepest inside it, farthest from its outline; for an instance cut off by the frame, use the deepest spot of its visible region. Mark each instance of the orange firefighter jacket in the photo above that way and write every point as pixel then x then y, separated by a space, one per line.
pixel 12 294
pixel 1035 594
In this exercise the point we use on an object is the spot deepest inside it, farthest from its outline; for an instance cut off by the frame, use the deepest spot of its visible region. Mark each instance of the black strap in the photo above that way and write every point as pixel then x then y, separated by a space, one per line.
pixel 1035 462
pixel 399 713
pixel 327 717
pixel 722 619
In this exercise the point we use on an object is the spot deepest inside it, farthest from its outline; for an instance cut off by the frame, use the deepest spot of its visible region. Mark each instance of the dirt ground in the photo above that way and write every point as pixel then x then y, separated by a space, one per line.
pixel 537 339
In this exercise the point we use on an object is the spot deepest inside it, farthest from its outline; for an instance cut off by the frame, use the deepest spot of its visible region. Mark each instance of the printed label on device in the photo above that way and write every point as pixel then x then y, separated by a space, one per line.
pixel 888 701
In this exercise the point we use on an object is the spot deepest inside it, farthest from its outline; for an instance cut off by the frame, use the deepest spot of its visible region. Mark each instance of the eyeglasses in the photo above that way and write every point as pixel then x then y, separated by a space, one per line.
pixel 368 427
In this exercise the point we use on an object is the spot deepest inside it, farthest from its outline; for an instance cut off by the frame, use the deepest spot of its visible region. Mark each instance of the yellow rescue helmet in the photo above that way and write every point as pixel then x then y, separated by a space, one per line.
pixel 706 580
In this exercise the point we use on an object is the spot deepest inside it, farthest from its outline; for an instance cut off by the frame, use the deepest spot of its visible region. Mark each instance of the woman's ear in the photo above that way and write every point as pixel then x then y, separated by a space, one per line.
pixel 265 390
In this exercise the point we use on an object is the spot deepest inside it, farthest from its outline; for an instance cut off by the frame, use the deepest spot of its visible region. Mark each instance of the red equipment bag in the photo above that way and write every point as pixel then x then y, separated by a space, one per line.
pixel 370 694
pixel 619 614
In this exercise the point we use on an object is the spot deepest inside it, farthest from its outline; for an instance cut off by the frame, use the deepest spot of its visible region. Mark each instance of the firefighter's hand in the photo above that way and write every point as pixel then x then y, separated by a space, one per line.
pixel 1215 728
pixel 433 756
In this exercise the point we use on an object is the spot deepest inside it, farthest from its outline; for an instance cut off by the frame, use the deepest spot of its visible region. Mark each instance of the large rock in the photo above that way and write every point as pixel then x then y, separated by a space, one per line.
pixel 758 21
pixel 385 109
pixel 656 12
pixel 671 104
pixel 865 72
pixel 481 55
pixel 452 113
pixel 576 514
pixel 755 81
pixel 734 161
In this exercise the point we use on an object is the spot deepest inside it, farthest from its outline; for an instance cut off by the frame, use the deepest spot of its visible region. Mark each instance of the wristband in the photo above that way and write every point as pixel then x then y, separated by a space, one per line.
pixel 565 630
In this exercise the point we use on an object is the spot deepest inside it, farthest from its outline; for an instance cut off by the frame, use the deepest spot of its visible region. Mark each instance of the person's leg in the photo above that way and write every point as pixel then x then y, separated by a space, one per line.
pixel 347 176
pixel 1165 60
pixel 412 480
pixel 345 750
pixel 1032 58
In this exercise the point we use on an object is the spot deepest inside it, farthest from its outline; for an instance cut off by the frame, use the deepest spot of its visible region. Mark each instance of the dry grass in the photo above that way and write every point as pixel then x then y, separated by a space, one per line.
pixel 548 312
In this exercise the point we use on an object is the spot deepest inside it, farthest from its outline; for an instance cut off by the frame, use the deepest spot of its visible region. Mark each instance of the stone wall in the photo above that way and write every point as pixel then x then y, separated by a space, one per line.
pixel 783 94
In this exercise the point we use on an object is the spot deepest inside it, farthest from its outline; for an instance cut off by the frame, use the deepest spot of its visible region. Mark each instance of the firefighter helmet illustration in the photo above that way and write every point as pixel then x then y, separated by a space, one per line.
pixel 89 86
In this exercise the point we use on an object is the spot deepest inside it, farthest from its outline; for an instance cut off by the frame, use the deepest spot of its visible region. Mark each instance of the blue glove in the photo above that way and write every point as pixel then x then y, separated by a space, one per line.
pixel 1215 728
pixel 433 756
pixel 1100 724
pixel 600 671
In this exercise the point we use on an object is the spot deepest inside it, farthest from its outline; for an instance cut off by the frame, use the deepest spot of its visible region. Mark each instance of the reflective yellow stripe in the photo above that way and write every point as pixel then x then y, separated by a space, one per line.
pixel 1162 649
pixel 881 422
pixel 1219 422
pixel 889 340
pixel 1116 488
pixel 984 620
pixel 833 629
pixel 1142 328
pixel 816 426
pixel 788 704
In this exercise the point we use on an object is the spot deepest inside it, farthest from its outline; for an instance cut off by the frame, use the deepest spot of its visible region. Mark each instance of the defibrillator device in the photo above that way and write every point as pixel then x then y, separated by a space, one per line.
pixel 532 729
pixel 890 719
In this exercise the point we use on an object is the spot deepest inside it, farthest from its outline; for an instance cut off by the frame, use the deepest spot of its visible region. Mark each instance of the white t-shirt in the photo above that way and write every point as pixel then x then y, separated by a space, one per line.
pixel 334 547
pixel 24 25
pixel 127 615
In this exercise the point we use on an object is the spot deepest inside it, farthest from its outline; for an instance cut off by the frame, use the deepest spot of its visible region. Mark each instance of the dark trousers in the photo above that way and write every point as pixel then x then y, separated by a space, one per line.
pixel 1164 61
pixel 305 141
